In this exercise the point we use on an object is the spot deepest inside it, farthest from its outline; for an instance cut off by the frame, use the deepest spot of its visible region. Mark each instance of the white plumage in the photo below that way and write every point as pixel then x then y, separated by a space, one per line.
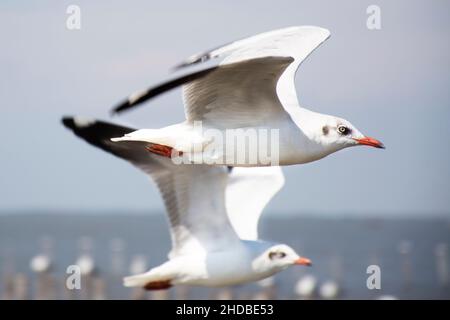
pixel 253 88
pixel 213 213
pixel 213 216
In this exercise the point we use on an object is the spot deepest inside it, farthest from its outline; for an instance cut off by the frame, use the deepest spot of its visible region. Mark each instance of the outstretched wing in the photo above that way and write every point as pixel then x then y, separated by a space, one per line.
pixel 194 195
pixel 248 192
pixel 254 83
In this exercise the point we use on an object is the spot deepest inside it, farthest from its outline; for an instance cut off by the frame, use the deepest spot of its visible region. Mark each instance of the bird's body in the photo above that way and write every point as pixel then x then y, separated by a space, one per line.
pixel 291 144
pixel 231 266
pixel 213 215
pixel 245 111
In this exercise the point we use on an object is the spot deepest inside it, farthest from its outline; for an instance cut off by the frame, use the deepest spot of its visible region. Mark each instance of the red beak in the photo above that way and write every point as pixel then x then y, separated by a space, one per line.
pixel 303 262
pixel 368 141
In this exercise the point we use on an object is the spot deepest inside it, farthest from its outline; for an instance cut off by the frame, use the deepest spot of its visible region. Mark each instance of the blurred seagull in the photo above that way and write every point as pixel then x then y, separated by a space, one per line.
pixel 252 88
pixel 213 213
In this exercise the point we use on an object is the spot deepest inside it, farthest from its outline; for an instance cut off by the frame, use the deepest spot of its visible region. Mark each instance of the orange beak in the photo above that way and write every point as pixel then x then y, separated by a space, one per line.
pixel 303 262
pixel 368 141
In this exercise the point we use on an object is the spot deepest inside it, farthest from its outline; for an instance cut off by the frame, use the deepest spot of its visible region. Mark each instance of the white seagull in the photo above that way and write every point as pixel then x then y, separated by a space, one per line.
pixel 251 90
pixel 213 214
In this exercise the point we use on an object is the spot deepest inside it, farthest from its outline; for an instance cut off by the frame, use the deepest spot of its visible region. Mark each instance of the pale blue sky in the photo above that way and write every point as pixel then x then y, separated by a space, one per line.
pixel 393 84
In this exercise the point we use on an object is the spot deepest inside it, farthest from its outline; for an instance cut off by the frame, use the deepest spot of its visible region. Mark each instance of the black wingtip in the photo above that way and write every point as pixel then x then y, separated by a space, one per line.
pixel 68 122
pixel 113 113
pixel 184 65
pixel 192 61
pixel 155 91
pixel 178 67
pixel 120 108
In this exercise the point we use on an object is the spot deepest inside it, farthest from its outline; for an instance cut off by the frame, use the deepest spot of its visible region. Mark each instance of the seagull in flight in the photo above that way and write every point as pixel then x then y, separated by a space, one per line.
pixel 213 212
pixel 250 91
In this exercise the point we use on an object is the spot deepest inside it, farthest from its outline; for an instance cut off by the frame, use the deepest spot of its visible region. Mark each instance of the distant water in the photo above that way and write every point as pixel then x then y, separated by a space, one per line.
pixel 341 250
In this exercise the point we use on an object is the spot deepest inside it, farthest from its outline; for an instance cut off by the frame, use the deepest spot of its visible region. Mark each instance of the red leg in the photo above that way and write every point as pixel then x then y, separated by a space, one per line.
pixel 158 285
pixel 163 150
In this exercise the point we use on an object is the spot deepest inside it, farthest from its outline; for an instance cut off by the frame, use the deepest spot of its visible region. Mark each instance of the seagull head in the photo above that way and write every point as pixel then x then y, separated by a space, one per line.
pixel 280 256
pixel 335 133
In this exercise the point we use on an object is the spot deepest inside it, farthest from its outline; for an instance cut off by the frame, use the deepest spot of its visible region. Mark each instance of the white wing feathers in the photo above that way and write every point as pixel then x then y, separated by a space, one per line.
pixel 241 94
pixel 200 200
pixel 248 192
pixel 255 81
pixel 195 201
pixel 194 195
pixel 297 42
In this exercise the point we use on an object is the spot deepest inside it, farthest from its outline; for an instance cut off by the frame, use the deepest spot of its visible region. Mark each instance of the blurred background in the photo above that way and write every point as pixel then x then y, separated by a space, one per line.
pixel 63 202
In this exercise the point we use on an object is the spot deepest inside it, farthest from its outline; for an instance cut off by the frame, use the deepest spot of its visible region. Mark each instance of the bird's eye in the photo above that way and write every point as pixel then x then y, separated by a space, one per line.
pixel 344 130
pixel 276 255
